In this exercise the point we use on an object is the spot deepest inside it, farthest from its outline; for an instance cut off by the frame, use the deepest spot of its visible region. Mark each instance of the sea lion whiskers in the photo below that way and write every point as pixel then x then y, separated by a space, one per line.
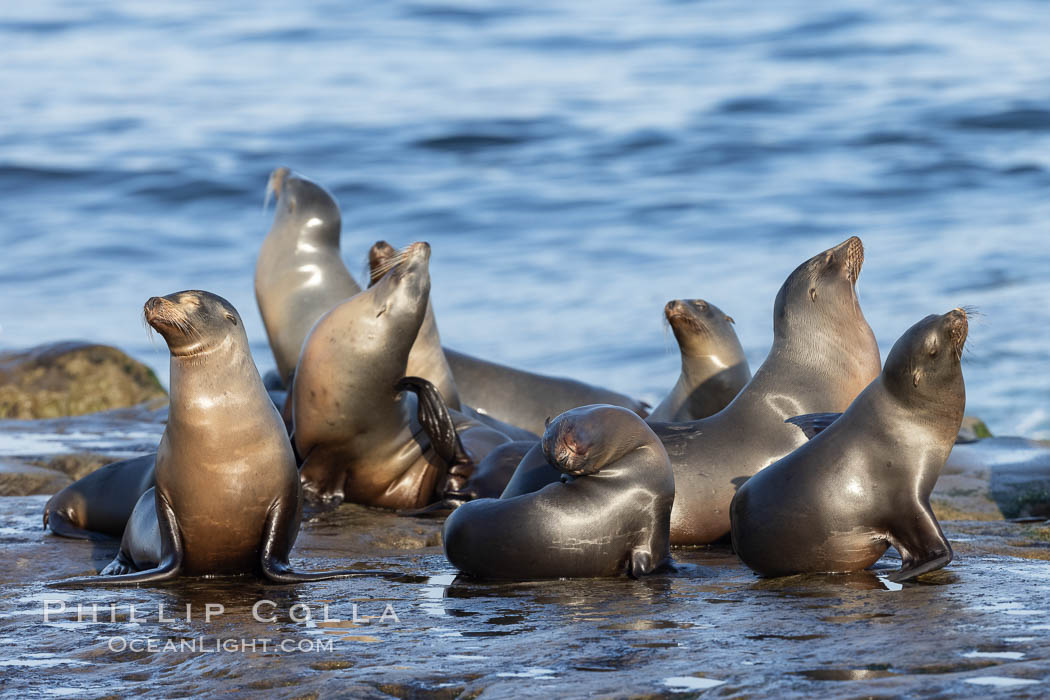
pixel 854 259
pixel 390 263
pixel 959 330
pixel 168 313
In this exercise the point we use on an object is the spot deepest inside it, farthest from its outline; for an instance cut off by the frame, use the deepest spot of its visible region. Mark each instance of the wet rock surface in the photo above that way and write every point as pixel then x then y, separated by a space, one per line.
pixel 712 627
pixel 72 378
pixel 1007 477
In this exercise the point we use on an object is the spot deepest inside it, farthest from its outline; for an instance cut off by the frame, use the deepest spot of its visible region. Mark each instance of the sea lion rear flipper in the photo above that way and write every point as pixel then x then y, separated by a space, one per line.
pixel 923 547
pixel 437 422
pixel 278 537
pixel 433 415
pixel 813 423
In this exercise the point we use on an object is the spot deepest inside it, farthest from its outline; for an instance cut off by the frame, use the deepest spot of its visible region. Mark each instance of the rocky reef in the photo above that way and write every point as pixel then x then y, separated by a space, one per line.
pixel 71 379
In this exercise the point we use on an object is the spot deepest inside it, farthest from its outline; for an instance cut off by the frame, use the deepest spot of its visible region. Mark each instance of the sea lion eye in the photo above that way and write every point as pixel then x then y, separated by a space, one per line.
pixel 231 318
pixel 813 293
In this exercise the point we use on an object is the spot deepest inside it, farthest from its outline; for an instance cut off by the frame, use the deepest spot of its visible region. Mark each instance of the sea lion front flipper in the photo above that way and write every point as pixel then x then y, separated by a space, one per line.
pixel 923 548
pixel 812 423
pixel 640 564
pixel 282 525
pixel 121 570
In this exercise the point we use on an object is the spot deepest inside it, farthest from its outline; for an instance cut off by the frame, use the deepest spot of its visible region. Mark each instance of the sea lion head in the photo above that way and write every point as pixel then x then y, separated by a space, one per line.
pixel 695 323
pixel 192 322
pixel 403 291
pixel 926 361
pixel 821 292
pixel 381 258
pixel 409 277
pixel 305 210
pixel 581 441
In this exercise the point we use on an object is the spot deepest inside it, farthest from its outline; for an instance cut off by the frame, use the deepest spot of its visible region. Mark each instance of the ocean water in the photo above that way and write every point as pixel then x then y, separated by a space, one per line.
pixel 574 166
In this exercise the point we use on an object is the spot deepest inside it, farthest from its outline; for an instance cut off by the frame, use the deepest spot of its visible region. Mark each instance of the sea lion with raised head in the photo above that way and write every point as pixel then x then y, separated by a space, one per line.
pixel 714 368
pixel 823 355
pixel 515 402
pixel 299 274
pixel 608 514
pixel 427 357
pixel 360 436
pixel 863 483
pixel 227 498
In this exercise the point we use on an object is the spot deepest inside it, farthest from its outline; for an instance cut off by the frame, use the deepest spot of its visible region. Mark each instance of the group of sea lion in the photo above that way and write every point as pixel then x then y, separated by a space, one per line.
pixel 817 463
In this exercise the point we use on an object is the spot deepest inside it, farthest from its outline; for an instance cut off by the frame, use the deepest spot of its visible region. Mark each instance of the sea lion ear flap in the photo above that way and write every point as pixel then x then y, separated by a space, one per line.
pixel 546 422
pixel 916 377
pixel 813 423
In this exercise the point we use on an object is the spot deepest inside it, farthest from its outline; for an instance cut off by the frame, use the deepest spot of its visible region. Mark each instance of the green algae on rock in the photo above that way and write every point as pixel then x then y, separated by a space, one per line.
pixel 72 378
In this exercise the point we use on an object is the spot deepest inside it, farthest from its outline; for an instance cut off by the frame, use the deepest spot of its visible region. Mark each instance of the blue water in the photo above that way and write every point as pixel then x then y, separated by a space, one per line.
pixel 573 167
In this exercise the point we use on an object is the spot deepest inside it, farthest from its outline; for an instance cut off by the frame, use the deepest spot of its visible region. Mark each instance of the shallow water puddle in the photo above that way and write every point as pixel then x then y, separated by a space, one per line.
pixel 999 681
pixel 683 684
pixel 538 673
pixel 1011 655
pixel 434 592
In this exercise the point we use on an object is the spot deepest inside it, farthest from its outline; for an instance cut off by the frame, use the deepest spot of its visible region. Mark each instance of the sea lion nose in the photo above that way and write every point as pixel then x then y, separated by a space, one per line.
pixel 150 307
pixel 672 307
pixel 420 248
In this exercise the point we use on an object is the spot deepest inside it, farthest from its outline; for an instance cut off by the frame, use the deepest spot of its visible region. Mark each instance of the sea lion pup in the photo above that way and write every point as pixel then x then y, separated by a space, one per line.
pixel 823 355
pixel 360 436
pixel 863 483
pixel 299 274
pixel 714 368
pixel 227 498
pixel 427 358
pixel 608 514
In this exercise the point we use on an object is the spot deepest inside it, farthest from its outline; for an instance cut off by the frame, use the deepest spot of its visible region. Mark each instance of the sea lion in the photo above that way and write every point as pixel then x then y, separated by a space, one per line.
pixel 714 368
pixel 526 399
pixel 360 437
pixel 101 502
pixel 513 401
pixel 609 514
pixel 299 274
pixel 863 483
pixel 427 357
pixel 227 498
pixel 823 355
